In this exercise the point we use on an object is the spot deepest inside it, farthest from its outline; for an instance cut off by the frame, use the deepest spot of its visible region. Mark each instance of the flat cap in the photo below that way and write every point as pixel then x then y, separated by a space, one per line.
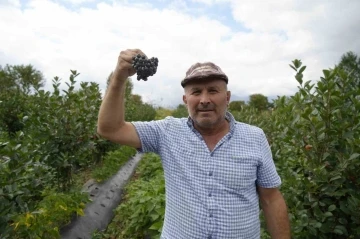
pixel 203 71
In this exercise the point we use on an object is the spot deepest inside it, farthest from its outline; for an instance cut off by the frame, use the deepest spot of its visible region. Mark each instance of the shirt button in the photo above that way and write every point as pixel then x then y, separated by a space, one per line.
pixel 209 237
pixel 210 173
pixel 209 194
pixel 210 215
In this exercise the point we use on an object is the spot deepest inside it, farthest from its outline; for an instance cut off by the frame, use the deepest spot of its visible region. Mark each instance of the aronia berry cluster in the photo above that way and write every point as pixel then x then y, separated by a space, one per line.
pixel 144 67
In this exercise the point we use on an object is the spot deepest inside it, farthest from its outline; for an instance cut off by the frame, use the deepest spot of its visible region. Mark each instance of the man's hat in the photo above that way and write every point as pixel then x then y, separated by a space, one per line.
pixel 203 71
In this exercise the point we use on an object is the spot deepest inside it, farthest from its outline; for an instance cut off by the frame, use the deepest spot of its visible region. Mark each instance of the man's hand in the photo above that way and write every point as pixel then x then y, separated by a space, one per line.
pixel 124 68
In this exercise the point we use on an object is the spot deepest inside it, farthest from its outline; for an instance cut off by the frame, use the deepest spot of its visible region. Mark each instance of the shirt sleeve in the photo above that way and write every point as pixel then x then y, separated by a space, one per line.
pixel 150 134
pixel 267 175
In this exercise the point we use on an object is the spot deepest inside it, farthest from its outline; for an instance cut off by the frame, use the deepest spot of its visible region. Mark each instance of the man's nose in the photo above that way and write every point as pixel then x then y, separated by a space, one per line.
pixel 205 100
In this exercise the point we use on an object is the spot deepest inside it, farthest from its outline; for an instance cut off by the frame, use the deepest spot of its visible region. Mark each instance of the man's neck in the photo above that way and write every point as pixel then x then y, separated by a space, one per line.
pixel 221 128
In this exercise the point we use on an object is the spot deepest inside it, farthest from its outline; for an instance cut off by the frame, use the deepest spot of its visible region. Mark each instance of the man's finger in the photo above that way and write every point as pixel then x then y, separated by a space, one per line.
pixel 137 51
pixel 127 57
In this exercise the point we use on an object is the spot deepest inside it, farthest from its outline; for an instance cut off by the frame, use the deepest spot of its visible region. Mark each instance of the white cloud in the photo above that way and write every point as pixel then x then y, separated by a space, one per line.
pixel 56 39
pixel 207 2
pixel 78 2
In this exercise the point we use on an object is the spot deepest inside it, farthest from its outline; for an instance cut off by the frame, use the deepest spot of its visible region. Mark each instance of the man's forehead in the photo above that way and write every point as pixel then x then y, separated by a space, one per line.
pixel 205 84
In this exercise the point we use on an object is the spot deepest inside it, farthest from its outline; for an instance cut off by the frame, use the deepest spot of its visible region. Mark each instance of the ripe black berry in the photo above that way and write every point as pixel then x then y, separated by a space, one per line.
pixel 144 67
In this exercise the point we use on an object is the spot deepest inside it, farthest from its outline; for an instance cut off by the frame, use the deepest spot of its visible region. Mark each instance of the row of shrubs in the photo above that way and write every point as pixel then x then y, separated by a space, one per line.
pixel 49 143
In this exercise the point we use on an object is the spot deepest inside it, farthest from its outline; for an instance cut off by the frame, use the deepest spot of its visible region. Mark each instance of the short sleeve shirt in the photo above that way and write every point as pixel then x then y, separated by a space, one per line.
pixel 210 194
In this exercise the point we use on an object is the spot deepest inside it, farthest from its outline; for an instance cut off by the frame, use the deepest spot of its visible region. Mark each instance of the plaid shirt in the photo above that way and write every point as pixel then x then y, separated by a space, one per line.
pixel 210 194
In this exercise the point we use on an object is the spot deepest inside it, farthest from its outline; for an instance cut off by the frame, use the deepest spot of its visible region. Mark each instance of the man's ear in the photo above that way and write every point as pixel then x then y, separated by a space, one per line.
pixel 228 96
pixel 184 99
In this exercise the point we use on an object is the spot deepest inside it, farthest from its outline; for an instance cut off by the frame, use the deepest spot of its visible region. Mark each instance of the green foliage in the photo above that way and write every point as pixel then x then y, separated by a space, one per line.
pixel 112 162
pixel 161 113
pixel 55 137
pixel 54 211
pixel 314 136
pixel 316 147
pixel 142 211
pixel 135 109
pixel 237 105
pixel 180 111
pixel 139 112
pixel 350 63
pixel 259 102
pixel 23 177
pixel 12 108
pixel 16 83
pixel 64 125
pixel 20 78
pixel 46 137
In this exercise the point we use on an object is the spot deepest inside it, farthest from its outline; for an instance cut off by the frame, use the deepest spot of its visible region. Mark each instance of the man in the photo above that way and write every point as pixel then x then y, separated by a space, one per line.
pixel 216 169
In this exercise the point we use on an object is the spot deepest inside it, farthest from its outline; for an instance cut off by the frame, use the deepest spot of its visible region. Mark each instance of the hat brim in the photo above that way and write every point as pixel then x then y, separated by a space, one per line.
pixel 204 77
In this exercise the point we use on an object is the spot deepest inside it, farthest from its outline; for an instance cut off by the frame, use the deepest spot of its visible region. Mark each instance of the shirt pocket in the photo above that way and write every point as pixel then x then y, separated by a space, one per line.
pixel 238 172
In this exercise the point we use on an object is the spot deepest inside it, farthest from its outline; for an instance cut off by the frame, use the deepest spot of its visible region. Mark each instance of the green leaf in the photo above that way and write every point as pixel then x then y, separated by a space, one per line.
pixel 337 231
pixel 328 214
pixel 326 73
pixel 342 229
pixel 331 208
pixel 156 226
pixel 299 77
pixel 297 63
pixel 354 156
pixel 335 178
pixel 318 225
pixel 302 69
pixel 293 67
pixel 154 216
pixel 343 220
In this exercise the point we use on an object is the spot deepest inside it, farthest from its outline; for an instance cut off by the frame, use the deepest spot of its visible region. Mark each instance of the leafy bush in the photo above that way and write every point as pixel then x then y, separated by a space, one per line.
pixel 317 150
pixel 57 138
pixel 53 212
pixel 23 177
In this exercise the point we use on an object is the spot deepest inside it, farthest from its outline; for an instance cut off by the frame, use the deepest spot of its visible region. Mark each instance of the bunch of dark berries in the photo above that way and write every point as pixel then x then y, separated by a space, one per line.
pixel 144 67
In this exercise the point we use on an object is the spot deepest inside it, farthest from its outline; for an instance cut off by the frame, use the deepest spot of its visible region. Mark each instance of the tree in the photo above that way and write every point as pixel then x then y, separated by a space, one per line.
pixel 137 99
pixel 16 82
pixel 181 111
pixel 350 64
pixel 259 101
pixel 237 105
pixel 21 78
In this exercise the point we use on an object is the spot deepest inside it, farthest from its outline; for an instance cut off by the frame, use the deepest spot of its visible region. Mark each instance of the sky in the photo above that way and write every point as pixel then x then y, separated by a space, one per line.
pixel 252 41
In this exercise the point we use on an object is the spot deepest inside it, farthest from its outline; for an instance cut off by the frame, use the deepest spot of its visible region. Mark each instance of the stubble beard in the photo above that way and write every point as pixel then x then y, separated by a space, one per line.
pixel 207 123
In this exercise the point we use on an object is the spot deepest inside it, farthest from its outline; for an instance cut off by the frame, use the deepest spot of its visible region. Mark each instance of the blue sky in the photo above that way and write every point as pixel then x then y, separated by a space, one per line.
pixel 253 41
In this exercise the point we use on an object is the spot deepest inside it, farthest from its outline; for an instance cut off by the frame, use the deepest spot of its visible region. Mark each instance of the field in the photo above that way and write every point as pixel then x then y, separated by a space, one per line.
pixel 49 148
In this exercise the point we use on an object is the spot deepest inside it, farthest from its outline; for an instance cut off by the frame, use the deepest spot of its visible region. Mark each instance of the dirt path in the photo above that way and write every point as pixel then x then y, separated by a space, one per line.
pixel 105 198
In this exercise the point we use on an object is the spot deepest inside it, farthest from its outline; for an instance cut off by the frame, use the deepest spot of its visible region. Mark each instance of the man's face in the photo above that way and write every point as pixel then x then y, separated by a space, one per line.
pixel 207 102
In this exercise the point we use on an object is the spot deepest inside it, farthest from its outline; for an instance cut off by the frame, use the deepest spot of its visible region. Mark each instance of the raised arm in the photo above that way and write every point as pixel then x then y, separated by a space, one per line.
pixel 111 119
